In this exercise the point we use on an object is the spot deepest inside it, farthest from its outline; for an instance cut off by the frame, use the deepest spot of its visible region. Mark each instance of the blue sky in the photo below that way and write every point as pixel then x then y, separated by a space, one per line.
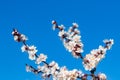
pixel 98 20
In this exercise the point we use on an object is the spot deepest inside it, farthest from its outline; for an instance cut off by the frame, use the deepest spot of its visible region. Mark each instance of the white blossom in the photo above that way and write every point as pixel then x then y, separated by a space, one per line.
pixel 23 37
pixel 91 60
pixel 65 74
pixel 15 31
pixel 70 45
pixel 110 40
pixel 16 37
pixel 23 48
pixel 19 37
pixel 70 30
pixel 41 58
pixel 102 76
pixel 28 68
pixel 32 56
pixel 53 68
pixel 53 22
pixel 108 43
pixel 74 46
pixel 53 64
pixel 75 24
pixel 31 51
pixel 72 42
pixel 61 33
pixel 76 38
pixel 45 70
pixel 62 26
pixel 71 39
pixel 80 73
pixel 54 26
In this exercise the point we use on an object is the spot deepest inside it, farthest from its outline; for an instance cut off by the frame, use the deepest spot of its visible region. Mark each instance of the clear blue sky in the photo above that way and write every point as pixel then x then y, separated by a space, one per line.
pixel 98 20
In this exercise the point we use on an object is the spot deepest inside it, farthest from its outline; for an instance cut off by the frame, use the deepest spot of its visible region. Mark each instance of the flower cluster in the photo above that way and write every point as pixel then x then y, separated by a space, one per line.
pixel 47 69
pixel 31 51
pixel 41 58
pixel 18 37
pixel 96 55
pixel 102 76
pixel 71 38
pixel 72 42
pixel 57 73
pixel 108 43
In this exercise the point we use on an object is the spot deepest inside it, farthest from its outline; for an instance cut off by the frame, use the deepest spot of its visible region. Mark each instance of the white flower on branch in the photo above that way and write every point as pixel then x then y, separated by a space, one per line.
pixel 32 56
pixel 50 69
pixel 76 38
pixel 16 38
pixel 75 25
pixel 72 42
pixel 73 74
pixel 45 70
pixel 41 58
pixel 31 51
pixel 54 69
pixel 14 32
pixel 91 60
pixel 102 76
pixel 68 75
pixel 62 34
pixel 69 46
pixel 108 43
pixel 59 73
pixel 71 39
pixel 28 68
pixel 62 74
pixel 19 37
pixel 54 25
pixel 23 37
pixel 24 48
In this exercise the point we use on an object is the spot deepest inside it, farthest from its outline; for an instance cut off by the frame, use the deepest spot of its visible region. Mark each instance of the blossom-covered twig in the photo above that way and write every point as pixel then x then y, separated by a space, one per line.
pixel 71 39
pixel 96 55
pixel 72 42
pixel 47 69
